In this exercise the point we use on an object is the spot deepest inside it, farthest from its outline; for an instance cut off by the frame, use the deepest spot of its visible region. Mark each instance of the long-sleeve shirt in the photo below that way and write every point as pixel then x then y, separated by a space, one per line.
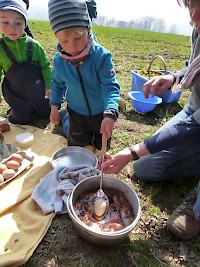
pixel 176 134
pixel 194 99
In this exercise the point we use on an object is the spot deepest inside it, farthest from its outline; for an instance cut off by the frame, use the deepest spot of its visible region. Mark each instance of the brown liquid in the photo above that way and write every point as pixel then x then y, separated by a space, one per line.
pixel 119 215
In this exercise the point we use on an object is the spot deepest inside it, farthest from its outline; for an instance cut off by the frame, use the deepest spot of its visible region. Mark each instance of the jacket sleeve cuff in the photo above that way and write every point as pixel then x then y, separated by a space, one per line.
pixel 111 113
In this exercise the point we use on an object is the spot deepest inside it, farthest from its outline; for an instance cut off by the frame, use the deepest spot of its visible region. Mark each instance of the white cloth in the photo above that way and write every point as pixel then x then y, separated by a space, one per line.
pixel 52 191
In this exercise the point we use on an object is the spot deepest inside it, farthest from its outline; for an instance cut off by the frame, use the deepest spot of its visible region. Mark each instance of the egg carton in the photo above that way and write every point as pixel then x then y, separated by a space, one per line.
pixel 26 162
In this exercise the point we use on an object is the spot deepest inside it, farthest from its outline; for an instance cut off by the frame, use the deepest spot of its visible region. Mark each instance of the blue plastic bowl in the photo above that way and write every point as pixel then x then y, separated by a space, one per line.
pixel 142 104
pixel 137 85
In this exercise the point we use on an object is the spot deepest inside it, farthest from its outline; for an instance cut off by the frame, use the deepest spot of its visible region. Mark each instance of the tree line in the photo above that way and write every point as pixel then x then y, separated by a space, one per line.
pixel 147 23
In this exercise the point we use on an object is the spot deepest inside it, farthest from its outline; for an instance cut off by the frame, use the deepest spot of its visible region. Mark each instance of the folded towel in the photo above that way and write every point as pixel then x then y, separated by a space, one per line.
pixel 52 191
pixel 191 76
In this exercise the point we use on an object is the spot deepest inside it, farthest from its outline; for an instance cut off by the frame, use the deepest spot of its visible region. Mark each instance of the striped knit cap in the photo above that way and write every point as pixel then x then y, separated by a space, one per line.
pixel 68 13
pixel 16 5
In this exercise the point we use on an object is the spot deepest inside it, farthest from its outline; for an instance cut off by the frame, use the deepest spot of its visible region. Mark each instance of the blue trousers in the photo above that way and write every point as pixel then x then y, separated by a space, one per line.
pixel 173 163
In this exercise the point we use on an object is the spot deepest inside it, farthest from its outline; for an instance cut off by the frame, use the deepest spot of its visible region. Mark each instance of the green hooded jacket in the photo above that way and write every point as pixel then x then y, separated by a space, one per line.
pixel 19 49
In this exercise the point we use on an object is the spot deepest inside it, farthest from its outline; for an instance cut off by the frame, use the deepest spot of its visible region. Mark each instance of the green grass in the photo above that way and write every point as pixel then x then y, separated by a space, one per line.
pixel 150 244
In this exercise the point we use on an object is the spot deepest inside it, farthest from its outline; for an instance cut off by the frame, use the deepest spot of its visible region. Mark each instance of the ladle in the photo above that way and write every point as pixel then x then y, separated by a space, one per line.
pixel 100 201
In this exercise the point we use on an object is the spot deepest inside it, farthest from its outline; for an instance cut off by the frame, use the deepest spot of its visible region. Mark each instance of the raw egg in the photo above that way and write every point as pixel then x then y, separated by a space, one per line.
pixel 16 157
pixel 3 167
pixel 7 174
pixel 13 164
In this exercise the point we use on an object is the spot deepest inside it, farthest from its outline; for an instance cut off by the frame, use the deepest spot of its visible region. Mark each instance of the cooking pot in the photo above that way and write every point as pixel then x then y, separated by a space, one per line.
pixel 97 237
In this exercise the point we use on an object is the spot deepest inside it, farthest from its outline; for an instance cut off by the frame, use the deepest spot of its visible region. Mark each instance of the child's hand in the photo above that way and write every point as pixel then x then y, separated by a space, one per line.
pixel 54 115
pixel 107 126
pixel 47 93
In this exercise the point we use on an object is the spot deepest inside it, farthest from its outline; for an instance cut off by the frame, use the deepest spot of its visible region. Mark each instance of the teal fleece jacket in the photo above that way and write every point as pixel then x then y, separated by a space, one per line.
pixel 19 49
pixel 99 79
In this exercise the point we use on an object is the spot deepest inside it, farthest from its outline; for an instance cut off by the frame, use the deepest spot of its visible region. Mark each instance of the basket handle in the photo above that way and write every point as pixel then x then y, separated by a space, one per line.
pixel 164 64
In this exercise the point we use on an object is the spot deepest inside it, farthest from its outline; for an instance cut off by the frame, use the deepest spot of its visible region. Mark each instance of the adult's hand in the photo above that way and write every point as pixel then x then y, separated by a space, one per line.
pixel 114 164
pixel 158 85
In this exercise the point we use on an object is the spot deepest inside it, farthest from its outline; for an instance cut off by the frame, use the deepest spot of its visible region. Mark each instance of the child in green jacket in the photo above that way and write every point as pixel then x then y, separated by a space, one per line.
pixel 25 66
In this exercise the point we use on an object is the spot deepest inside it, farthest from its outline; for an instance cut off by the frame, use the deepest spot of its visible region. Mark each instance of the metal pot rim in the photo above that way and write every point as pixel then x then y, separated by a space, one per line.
pixel 125 230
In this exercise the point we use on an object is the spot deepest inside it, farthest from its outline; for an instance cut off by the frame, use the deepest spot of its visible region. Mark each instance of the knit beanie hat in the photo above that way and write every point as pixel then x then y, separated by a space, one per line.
pixel 27 4
pixel 16 5
pixel 68 13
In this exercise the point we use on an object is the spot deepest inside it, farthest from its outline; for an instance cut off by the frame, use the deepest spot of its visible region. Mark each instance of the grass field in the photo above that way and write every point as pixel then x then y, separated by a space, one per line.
pixel 150 244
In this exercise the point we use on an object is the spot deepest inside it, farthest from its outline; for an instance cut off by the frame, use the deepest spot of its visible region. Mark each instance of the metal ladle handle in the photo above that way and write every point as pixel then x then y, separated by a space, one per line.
pixel 103 151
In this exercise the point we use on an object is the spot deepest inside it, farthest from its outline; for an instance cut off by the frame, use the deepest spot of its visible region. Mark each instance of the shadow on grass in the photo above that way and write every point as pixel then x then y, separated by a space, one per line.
pixel 163 111
pixel 166 195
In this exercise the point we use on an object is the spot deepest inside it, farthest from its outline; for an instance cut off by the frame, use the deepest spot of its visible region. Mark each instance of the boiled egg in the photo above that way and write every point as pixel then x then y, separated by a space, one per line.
pixel 13 164
pixel 100 207
pixel 17 157
pixel 3 167
pixel 7 174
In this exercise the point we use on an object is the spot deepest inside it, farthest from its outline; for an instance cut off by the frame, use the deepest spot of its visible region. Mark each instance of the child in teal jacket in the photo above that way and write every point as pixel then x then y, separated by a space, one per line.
pixel 83 74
